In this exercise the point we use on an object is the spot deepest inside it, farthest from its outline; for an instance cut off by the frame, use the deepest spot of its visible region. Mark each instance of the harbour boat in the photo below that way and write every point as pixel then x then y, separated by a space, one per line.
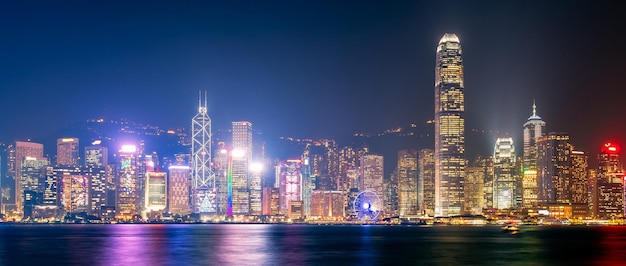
pixel 510 228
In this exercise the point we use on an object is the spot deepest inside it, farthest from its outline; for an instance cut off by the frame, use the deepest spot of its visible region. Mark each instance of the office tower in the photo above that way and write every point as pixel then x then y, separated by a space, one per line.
pixel 449 127
pixel 390 194
pixel 610 183
pixel 271 201
pixel 98 188
pixel 127 200
pixel 156 193
pixel 327 205
pixel 533 129
pixel 203 179
pixel 242 142
pixel 554 168
pixel 67 152
pixel 96 156
pixel 504 179
pixel 33 178
pixel 220 166
pixel 17 153
pixel 579 185
pixel 290 184
pixel 592 186
pixel 486 166
pixel 178 189
pixel 372 174
pixel 426 181
pixel 74 189
pixel 347 161
pixel 407 182
pixel 256 176
pixel 307 184
pixel 474 190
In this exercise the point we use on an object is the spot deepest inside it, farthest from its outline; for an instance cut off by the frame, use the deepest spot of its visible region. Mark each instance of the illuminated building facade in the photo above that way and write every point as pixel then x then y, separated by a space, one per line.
pixel 203 179
pixel 327 204
pixel 178 190
pixel 504 182
pixel 67 152
pixel 449 127
pixel 372 174
pixel 579 185
pixel 96 156
pixel 610 183
pixel 33 177
pixel 554 168
pixel 533 129
pixel 474 190
pixel 407 182
pixel 271 201
pixel 426 181
pixel 74 189
pixel 17 153
pixel 242 142
pixel 290 183
pixel 156 192
pixel 390 194
pixel 127 200
pixel 220 166
pixel 307 185
pixel 98 189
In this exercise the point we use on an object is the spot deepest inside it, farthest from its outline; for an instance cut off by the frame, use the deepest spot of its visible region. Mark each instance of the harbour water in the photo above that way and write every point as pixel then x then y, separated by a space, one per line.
pixel 273 244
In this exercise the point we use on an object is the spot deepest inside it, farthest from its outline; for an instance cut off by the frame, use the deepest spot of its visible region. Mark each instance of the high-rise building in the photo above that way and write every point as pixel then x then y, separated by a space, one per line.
pixel 178 190
pixel 156 192
pixel 67 152
pixel 242 142
pixel 33 178
pixel 426 181
pixel 579 185
pixel 98 190
pixel 74 189
pixel 610 183
pixel 271 201
pixel 203 188
pixel 97 156
pixel 554 168
pixel 17 153
pixel 533 129
pixel 407 182
pixel 449 127
pixel 390 194
pixel 474 190
pixel 372 174
pixel 327 204
pixel 127 200
pixel 290 187
pixel 505 176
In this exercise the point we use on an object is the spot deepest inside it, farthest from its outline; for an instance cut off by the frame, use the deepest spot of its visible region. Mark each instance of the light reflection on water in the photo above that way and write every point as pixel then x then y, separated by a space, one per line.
pixel 262 244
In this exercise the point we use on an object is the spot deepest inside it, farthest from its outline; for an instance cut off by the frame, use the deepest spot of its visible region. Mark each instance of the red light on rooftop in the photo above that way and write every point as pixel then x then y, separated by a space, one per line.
pixel 610 148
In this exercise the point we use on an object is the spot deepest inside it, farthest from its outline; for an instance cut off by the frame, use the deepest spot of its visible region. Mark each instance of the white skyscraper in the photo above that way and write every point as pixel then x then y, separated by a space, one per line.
pixel 203 179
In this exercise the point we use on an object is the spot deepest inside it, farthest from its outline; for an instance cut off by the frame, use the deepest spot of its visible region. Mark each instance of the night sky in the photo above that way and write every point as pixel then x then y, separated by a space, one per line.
pixel 310 68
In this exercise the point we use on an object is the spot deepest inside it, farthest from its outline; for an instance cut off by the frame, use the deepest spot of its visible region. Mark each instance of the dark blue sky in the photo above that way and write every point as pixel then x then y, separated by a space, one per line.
pixel 310 68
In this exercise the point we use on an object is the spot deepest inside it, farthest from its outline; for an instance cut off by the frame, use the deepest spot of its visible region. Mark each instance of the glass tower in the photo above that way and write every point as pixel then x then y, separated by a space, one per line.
pixel 504 174
pixel 533 129
pixel 203 178
pixel 449 127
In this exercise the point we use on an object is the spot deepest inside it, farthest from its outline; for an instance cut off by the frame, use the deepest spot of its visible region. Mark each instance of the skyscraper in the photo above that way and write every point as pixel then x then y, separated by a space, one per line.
pixel 203 179
pixel 533 129
pixel 67 152
pixel 504 181
pixel 407 182
pixel 554 168
pixel 449 127
pixel 372 174
pixel 178 189
pixel 127 198
pixel 610 184
pixel 242 142
pixel 579 184
pixel 426 181
pixel 19 151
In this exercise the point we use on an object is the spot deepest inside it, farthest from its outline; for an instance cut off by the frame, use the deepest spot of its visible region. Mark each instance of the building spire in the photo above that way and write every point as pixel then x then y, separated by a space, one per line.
pixel 534 108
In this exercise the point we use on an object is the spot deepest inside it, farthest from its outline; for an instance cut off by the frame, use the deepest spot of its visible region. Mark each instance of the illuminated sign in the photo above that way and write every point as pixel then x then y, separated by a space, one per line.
pixel 128 148
pixel 67 140
pixel 610 148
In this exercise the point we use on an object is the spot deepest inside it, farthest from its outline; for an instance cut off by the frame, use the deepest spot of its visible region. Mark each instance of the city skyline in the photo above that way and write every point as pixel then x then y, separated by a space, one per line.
pixel 366 68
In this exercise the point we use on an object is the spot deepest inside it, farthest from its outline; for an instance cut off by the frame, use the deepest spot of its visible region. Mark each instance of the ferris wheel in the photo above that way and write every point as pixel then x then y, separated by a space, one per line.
pixel 367 205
